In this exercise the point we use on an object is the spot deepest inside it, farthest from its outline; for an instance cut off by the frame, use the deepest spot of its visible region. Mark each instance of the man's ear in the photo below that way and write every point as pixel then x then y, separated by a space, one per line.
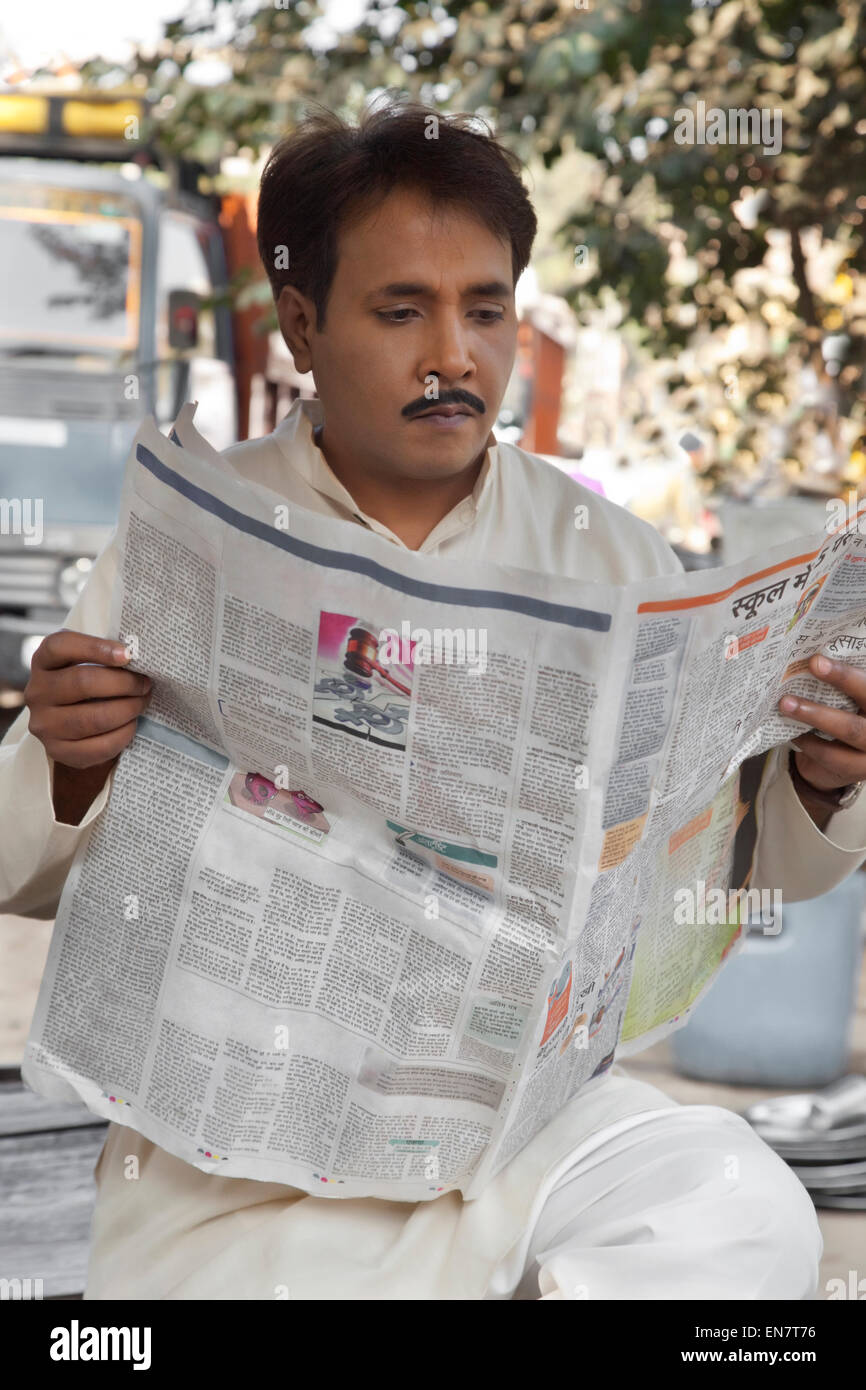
pixel 297 319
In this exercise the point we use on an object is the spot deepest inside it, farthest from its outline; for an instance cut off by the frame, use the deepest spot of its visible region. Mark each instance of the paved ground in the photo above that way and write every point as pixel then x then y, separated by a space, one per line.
pixel 24 947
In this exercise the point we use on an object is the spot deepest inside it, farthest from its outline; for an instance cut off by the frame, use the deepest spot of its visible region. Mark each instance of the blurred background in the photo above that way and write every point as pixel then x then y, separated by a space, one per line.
pixel 693 325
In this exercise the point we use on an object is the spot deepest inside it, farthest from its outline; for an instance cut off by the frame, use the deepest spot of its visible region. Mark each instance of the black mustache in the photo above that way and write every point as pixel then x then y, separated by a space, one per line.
pixel 456 397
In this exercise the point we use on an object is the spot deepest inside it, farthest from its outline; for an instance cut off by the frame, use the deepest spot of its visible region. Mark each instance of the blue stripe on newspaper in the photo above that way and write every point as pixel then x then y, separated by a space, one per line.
pixel 359 564
pixel 160 733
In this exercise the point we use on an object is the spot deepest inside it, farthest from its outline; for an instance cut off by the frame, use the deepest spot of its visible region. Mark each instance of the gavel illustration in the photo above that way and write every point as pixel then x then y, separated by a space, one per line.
pixel 362 657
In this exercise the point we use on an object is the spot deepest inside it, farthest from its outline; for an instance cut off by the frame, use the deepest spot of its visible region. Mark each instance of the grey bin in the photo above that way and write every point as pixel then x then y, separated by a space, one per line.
pixel 781 1011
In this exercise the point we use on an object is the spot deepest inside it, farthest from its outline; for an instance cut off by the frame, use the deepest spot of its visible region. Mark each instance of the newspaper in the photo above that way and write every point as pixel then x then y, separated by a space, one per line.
pixel 393 864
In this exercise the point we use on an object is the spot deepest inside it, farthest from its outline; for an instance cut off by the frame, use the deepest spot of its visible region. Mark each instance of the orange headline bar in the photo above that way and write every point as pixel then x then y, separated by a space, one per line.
pixel 688 831
pixel 750 639
pixel 672 605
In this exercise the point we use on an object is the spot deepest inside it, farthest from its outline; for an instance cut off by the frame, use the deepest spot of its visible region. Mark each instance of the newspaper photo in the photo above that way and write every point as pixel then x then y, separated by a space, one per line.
pixel 394 863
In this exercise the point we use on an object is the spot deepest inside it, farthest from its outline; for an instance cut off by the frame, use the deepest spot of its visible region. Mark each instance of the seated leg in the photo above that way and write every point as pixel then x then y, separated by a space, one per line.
pixel 686 1204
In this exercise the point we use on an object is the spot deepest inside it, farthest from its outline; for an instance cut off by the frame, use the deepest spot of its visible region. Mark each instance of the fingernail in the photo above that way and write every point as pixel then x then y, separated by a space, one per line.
pixel 788 702
pixel 823 666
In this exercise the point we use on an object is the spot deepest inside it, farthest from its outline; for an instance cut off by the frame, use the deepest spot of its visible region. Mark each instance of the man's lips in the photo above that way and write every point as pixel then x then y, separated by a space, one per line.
pixel 448 410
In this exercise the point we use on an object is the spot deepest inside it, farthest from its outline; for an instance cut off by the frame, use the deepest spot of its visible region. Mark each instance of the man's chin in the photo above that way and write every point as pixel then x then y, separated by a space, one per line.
pixel 438 470
pixel 444 455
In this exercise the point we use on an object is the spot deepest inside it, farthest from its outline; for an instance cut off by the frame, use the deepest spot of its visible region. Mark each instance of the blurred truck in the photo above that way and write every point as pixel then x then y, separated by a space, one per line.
pixel 112 307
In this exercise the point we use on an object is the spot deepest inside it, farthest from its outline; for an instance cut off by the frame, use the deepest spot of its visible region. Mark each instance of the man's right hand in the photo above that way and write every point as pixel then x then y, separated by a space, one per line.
pixel 85 715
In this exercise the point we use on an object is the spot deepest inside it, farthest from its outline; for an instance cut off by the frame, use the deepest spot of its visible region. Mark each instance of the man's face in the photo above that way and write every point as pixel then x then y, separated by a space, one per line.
pixel 422 300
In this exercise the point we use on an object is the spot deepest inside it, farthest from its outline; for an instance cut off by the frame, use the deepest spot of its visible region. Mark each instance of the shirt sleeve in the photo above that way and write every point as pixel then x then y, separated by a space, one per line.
pixel 36 849
pixel 791 853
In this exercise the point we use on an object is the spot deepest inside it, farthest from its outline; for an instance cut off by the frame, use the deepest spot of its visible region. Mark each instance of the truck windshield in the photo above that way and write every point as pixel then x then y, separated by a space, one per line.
pixel 70 265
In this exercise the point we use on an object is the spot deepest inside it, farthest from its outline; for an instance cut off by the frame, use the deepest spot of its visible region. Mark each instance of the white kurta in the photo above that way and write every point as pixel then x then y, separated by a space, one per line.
pixel 177 1232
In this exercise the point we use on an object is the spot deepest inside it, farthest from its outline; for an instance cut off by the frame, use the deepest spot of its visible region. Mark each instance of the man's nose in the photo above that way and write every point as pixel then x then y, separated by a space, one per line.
pixel 448 355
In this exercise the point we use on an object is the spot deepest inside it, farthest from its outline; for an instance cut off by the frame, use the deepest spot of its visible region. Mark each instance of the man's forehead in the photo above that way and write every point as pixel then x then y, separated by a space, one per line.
pixel 423 286
pixel 408 241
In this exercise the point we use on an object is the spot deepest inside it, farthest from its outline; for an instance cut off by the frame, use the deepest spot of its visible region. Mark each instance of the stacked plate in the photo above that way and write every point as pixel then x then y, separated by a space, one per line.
pixel 822 1136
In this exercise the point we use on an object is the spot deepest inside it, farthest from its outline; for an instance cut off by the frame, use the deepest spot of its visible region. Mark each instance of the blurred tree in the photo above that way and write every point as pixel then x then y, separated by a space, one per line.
pixel 689 238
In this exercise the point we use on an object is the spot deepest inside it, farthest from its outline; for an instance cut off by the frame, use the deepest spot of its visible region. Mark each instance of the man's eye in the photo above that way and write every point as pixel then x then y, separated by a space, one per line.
pixel 488 316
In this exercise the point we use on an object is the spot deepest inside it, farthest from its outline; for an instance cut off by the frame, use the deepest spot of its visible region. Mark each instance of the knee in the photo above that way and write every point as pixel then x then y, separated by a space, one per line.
pixel 763 1222
pixel 689 1204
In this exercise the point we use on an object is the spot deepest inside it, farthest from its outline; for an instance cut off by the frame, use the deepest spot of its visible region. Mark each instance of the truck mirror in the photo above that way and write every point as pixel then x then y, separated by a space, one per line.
pixel 183 311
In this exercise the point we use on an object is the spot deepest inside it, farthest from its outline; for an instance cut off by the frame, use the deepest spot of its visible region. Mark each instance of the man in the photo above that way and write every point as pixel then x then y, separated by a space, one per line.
pixel 393 250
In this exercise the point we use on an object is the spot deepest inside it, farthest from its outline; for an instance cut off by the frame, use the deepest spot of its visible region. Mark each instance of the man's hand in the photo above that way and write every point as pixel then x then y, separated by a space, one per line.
pixel 85 715
pixel 824 764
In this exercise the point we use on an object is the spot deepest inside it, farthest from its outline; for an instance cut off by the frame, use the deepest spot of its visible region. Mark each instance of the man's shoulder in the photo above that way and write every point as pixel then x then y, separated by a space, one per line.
pixel 555 488
pixel 557 497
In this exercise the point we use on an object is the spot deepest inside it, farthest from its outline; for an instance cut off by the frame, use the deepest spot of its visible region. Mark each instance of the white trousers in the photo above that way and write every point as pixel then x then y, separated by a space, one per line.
pixel 675 1204
pixel 625 1195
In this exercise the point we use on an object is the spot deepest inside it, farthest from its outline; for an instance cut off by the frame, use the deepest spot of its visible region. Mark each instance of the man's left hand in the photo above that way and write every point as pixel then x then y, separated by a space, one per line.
pixel 828 765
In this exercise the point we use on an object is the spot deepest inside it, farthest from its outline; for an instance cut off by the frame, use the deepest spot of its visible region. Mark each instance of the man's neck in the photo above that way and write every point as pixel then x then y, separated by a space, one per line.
pixel 410 507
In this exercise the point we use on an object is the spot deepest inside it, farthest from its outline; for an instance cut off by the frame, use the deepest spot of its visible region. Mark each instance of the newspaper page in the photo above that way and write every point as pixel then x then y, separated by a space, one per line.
pixel 386 873
pixel 711 654
pixel 713 665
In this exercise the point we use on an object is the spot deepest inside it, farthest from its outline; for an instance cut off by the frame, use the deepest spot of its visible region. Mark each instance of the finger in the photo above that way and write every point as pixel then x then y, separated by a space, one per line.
pixel 88 720
pixel 64 648
pixel 837 763
pixel 841 724
pixel 842 676
pixel 89 752
pixel 76 683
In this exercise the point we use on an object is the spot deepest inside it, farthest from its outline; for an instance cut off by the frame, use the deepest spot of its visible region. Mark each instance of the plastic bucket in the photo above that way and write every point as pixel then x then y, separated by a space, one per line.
pixel 781 1012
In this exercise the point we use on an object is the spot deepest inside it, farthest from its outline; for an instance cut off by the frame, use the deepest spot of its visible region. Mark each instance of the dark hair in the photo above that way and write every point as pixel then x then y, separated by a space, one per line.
pixel 327 173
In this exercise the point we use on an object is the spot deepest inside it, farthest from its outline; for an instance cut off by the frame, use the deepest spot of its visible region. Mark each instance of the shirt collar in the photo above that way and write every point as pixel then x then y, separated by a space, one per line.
pixel 294 436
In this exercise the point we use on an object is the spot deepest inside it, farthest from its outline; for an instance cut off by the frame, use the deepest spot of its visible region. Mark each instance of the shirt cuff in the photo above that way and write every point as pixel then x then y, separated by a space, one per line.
pixel 36 849
pixel 846 828
pixel 792 854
